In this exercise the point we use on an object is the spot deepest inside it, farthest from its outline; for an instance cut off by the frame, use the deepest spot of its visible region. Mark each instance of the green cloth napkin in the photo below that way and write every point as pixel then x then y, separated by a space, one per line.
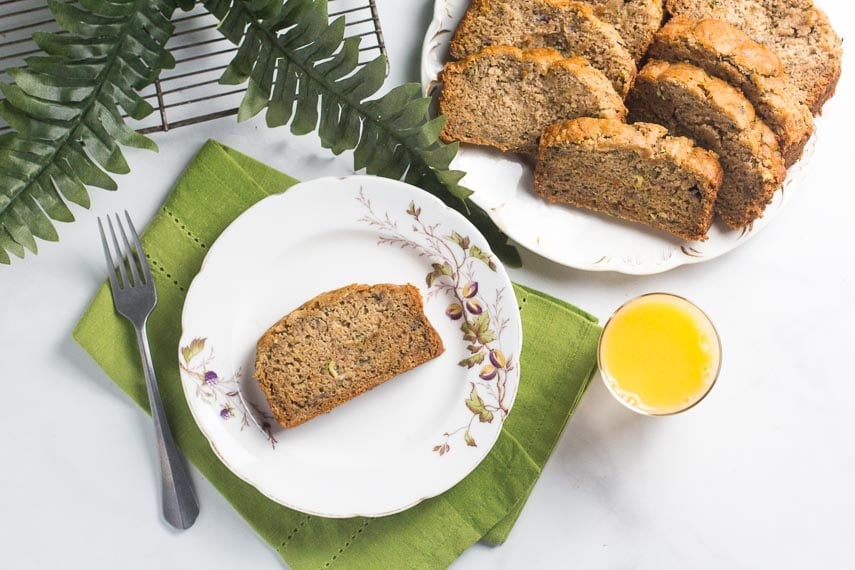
pixel 558 360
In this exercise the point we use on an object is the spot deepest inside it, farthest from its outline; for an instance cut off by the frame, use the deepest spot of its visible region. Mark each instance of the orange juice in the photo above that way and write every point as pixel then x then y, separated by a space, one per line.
pixel 659 354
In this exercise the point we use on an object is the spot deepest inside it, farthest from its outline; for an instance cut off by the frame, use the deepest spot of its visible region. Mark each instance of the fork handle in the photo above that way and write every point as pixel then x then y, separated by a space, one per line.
pixel 180 506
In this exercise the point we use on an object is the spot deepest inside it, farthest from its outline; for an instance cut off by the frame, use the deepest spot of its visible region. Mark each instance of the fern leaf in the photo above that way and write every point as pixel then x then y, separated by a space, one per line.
pixel 64 108
pixel 303 72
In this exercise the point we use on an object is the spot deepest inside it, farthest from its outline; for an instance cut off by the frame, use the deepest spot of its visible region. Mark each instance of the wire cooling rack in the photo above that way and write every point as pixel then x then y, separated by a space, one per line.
pixel 189 93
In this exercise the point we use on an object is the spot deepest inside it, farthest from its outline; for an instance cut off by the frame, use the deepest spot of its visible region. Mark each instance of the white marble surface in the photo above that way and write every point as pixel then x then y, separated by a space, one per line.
pixel 759 476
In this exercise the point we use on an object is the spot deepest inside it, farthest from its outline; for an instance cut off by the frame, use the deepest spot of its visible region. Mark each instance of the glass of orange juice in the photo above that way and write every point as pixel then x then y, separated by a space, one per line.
pixel 659 354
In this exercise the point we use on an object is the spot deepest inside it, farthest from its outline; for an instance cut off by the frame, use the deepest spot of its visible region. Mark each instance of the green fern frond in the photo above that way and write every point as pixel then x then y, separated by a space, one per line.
pixel 304 72
pixel 64 109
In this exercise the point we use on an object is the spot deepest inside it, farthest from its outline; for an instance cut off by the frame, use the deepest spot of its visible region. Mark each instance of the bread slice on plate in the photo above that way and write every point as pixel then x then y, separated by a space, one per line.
pixel 635 20
pixel 689 102
pixel 799 33
pixel 503 96
pixel 724 51
pixel 634 172
pixel 570 27
pixel 339 345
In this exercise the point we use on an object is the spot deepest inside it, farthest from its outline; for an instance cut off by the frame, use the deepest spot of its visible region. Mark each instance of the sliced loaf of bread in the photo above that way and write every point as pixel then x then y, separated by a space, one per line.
pixel 799 33
pixel 689 102
pixel 634 172
pixel 635 20
pixel 339 345
pixel 724 51
pixel 503 96
pixel 570 27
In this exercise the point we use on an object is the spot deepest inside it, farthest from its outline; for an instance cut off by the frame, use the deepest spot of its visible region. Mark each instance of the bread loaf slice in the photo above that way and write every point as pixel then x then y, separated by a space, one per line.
pixel 634 172
pixel 689 102
pixel 339 345
pixel 503 97
pixel 635 20
pixel 724 51
pixel 570 27
pixel 799 33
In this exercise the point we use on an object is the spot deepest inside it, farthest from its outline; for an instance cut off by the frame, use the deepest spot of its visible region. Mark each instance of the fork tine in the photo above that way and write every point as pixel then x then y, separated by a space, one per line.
pixel 138 245
pixel 131 263
pixel 111 266
pixel 122 271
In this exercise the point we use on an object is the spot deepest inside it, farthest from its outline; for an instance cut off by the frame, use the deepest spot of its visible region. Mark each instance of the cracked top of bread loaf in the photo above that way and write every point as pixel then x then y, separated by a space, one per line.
pixel 724 51
pixel 798 31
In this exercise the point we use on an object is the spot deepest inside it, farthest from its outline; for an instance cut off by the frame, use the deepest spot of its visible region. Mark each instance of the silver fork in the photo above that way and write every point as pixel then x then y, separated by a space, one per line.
pixel 135 297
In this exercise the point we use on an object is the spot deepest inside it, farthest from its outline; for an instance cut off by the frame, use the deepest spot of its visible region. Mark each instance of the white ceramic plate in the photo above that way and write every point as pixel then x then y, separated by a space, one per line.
pixel 566 235
pixel 409 439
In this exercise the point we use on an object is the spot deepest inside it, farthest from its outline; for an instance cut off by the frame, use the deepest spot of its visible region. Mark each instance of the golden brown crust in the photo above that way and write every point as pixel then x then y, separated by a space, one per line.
pixel 542 57
pixel 617 169
pixel 716 91
pixel 718 36
pixel 646 139
pixel 690 102
pixel 799 32
pixel 299 389
pixel 724 51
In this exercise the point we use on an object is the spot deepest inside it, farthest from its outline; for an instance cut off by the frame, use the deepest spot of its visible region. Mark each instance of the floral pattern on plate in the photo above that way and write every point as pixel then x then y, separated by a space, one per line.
pixel 222 393
pixel 453 275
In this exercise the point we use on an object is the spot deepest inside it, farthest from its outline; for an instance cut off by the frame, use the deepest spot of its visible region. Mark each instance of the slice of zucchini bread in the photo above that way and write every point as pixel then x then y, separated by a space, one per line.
pixel 634 172
pixel 691 103
pixel 568 26
pixel 635 20
pixel 798 31
pixel 503 97
pixel 724 51
pixel 339 345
